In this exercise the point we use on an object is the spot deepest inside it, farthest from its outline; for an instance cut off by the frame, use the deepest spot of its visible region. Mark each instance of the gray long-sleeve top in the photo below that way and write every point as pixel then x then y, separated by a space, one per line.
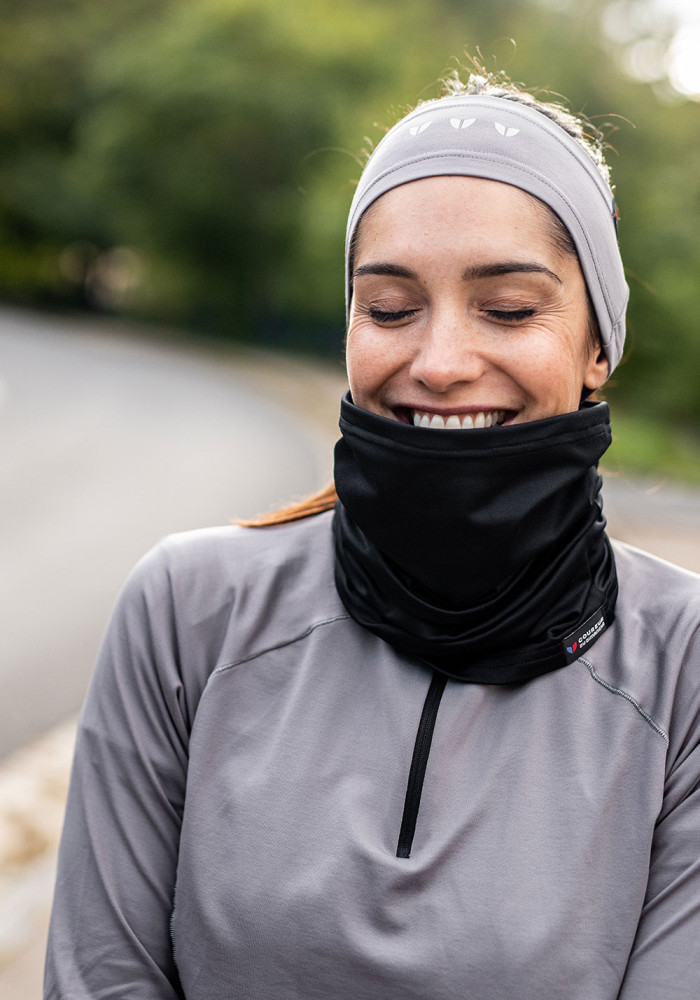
pixel 240 777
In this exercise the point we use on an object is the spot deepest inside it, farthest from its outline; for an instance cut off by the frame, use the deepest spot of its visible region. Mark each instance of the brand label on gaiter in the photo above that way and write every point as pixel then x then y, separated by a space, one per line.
pixel 578 642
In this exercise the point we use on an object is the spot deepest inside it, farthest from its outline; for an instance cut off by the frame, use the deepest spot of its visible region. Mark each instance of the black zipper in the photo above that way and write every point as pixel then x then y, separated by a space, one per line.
pixel 421 752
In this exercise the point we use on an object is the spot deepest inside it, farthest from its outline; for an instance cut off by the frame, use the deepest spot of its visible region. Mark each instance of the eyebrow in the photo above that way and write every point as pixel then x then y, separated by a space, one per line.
pixel 390 270
pixel 481 271
pixel 509 267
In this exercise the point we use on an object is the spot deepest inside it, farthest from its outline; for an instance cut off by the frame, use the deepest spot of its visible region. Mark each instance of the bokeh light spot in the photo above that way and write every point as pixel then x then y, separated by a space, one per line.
pixel 684 61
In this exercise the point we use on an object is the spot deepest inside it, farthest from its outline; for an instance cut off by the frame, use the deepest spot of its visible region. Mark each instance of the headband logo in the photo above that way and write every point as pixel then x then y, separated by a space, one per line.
pixel 506 131
pixel 460 123
pixel 417 129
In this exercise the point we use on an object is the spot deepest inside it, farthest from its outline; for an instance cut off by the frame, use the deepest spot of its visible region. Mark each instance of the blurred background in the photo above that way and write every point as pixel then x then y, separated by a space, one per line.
pixel 174 182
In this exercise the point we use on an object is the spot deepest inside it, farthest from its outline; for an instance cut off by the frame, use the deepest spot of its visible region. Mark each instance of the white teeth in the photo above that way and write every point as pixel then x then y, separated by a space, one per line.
pixel 484 418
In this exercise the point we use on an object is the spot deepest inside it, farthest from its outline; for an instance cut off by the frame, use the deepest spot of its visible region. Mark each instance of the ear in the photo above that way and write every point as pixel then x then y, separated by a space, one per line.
pixel 597 370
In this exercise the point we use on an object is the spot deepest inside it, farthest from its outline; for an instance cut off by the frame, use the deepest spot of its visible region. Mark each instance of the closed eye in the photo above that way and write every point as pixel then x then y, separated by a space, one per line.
pixel 510 315
pixel 381 316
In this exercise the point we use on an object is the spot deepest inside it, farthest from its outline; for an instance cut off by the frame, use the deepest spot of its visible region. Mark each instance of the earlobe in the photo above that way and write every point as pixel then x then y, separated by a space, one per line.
pixel 597 371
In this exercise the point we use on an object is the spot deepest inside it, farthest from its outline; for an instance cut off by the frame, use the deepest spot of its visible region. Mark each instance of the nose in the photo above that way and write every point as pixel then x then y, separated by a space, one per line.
pixel 448 353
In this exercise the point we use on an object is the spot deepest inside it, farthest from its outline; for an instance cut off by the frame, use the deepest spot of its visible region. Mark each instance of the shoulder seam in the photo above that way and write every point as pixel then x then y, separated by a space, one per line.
pixel 628 697
pixel 279 645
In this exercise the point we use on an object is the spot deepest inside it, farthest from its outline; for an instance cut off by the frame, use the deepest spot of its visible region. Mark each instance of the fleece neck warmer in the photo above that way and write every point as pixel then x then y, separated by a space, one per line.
pixel 481 552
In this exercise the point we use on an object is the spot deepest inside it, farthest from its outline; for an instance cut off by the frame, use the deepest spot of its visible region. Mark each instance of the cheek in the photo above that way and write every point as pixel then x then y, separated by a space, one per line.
pixel 551 371
pixel 371 358
pixel 361 363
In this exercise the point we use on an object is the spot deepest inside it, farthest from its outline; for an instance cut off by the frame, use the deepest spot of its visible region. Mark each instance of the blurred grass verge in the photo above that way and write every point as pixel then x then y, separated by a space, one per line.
pixel 645 446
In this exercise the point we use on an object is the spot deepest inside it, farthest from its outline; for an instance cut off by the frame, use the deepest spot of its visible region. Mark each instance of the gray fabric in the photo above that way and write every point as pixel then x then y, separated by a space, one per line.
pixel 245 748
pixel 501 140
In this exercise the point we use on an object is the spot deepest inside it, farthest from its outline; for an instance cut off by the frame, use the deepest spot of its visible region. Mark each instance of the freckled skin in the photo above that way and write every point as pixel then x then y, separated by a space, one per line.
pixel 454 335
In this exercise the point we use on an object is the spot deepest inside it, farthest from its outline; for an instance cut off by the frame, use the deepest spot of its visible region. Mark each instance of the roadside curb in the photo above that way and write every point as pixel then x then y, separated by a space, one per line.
pixel 33 787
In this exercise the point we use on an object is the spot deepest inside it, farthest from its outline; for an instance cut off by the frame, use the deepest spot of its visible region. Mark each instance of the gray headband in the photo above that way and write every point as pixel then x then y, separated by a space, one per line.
pixel 501 140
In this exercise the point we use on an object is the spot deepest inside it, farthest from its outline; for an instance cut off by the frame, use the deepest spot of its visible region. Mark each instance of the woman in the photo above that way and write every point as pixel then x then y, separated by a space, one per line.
pixel 443 741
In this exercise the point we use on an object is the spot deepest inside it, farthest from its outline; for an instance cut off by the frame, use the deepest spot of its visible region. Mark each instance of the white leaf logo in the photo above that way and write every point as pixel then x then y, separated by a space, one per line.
pixel 417 129
pixel 461 122
pixel 506 131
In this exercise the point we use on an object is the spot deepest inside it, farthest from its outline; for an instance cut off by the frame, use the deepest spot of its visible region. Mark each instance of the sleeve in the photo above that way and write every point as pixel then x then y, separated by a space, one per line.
pixel 665 958
pixel 110 926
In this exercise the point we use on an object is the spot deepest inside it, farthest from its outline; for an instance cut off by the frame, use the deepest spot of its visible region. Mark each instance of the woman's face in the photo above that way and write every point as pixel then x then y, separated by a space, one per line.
pixel 464 311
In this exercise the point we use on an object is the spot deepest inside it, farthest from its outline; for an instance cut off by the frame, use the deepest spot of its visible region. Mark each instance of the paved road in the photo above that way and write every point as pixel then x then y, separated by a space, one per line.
pixel 108 442
pixel 656 516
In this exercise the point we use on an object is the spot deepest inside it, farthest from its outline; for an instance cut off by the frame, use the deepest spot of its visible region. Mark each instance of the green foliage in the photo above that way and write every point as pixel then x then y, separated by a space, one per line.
pixel 194 162
pixel 648 447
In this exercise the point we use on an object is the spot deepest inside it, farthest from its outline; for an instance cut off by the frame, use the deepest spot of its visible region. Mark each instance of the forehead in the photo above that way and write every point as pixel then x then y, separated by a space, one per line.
pixel 456 214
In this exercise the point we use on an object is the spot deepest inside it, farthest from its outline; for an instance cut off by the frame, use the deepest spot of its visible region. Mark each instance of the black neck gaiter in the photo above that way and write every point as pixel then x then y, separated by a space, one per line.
pixel 481 552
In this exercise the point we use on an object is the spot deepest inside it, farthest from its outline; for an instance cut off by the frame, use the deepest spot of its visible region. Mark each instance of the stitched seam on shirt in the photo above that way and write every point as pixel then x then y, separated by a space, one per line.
pixel 279 645
pixel 628 697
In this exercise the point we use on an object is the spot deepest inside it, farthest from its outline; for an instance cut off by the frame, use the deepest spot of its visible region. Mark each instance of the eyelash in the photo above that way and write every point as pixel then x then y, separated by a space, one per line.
pixel 380 316
pixel 510 316
pixel 502 315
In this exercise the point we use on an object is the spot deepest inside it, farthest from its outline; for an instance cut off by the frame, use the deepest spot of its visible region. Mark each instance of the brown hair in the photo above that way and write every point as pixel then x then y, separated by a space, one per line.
pixel 316 504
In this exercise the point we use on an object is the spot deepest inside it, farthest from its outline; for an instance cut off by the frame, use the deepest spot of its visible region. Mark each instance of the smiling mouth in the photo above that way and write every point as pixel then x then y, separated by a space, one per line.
pixel 453 421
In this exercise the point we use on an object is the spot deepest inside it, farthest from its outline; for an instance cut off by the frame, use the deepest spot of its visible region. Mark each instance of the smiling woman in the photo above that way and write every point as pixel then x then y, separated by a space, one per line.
pixel 432 735
pixel 464 311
